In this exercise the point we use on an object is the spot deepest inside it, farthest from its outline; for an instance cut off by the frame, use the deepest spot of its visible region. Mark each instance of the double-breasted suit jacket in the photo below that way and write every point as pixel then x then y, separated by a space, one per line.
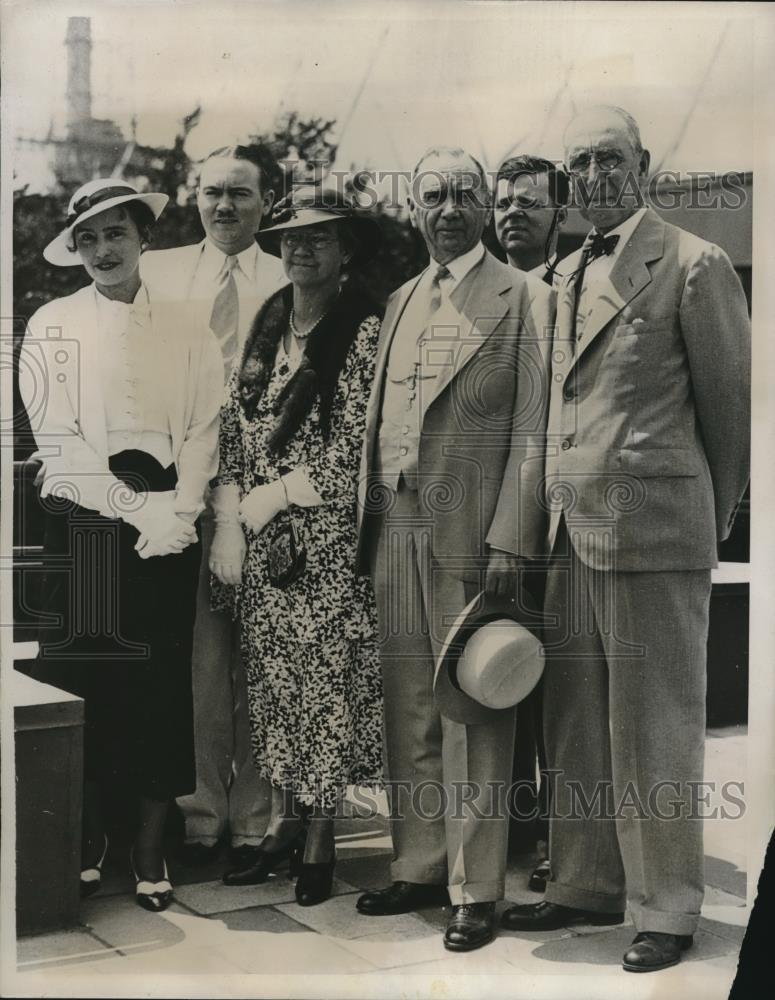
pixel 649 421
pixel 481 449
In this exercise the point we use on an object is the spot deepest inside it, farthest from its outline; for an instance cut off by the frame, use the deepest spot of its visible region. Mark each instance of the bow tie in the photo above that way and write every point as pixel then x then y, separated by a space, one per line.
pixel 601 246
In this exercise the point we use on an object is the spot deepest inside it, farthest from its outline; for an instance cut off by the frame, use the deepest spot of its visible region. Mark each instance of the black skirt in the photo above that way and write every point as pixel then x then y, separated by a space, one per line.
pixel 118 632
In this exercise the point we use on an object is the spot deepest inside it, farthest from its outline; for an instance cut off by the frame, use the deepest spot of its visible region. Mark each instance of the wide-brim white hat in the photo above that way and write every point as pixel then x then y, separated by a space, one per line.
pixel 89 200
pixel 491 659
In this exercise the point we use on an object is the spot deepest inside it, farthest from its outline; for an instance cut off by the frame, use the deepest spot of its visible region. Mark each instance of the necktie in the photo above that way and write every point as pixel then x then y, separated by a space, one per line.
pixel 224 318
pixel 597 246
pixel 434 301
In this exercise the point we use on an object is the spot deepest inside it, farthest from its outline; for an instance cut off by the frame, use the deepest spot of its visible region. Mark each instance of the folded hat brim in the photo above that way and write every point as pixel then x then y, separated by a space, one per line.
pixel 451 700
pixel 58 251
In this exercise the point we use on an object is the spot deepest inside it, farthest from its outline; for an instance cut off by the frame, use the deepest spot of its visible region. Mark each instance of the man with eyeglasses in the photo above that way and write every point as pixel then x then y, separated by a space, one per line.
pixel 530 209
pixel 648 457
pixel 229 277
pixel 531 195
pixel 450 508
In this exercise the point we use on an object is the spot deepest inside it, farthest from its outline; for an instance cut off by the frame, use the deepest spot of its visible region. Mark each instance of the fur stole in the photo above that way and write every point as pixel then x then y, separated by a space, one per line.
pixel 318 371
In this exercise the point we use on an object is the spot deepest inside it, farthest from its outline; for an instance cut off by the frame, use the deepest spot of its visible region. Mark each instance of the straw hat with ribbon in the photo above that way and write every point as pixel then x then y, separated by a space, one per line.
pixel 89 200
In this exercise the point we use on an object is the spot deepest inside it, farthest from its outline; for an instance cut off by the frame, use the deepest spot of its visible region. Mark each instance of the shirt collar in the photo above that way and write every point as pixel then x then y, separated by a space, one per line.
pixel 213 259
pixel 624 231
pixel 460 266
pixel 140 300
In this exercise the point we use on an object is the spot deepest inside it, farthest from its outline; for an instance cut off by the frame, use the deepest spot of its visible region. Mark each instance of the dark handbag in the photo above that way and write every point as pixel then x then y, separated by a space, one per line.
pixel 287 555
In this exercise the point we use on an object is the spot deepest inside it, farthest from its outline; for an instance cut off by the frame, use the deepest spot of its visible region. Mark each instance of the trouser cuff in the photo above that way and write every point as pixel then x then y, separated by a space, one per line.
pixel 475 892
pixel 198 838
pixel 584 899
pixel 404 871
pixel 663 922
pixel 252 840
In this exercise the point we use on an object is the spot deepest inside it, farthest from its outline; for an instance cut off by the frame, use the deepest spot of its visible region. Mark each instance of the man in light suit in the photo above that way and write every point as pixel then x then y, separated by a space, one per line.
pixel 648 457
pixel 228 277
pixel 453 458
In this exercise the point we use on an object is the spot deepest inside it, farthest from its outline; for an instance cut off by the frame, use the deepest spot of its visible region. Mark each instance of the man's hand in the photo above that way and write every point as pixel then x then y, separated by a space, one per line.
pixel 502 569
pixel 261 505
pixel 227 553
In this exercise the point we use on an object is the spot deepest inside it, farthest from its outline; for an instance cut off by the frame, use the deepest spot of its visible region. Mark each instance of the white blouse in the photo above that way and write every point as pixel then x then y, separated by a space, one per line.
pixel 135 385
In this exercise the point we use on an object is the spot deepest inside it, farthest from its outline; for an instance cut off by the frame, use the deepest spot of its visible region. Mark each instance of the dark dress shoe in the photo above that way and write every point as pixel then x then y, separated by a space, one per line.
pixel 551 917
pixel 539 876
pixel 471 926
pixel 652 951
pixel 401 897
pixel 314 882
pixel 262 863
pixel 244 856
pixel 197 855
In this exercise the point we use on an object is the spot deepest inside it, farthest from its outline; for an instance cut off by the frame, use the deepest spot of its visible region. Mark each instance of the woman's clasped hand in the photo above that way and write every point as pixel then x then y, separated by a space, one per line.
pixel 163 531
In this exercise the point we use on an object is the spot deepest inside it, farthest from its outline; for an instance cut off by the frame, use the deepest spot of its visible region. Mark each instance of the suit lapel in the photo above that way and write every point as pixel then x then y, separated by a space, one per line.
pixel 387 331
pixel 477 308
pixel 629 276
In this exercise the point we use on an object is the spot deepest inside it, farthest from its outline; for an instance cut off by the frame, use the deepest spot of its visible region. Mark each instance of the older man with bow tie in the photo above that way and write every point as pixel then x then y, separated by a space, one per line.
pixel 648 457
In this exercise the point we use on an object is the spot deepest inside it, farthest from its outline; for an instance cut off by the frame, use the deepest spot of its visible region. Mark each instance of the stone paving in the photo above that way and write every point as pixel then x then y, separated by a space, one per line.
pixel 260 931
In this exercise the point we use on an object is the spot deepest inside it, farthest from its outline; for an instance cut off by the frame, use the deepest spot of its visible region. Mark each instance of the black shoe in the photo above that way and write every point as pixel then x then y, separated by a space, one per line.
pixel 195 854
pixel 539 876
pixel 315 881
pixel 243 856
pixel 401 897
pixel 551 917
pixel 471 926
pixel 652 951
pixel 263 863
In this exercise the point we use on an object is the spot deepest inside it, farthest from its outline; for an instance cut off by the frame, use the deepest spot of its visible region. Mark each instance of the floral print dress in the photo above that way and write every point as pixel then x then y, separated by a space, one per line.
pixel 310 651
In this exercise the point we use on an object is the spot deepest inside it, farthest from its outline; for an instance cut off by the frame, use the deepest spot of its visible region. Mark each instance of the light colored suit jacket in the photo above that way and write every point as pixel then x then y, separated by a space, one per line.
pixel 649 422
pixel 481 449
pixel 59 380
pixel 170 276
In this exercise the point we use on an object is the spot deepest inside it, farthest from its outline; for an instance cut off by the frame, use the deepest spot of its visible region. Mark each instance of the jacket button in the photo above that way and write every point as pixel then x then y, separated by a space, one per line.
pixel 565 445
pixel 568 394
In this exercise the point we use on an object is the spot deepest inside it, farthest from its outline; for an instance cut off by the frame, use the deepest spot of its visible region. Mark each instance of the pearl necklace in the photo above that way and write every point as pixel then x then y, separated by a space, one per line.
pixel 321 317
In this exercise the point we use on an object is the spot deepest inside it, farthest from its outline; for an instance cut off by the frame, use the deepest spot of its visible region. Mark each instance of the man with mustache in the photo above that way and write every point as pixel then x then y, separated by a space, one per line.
pixel 230 278
pixel 450 507
pixel 647 460
pixel 531 195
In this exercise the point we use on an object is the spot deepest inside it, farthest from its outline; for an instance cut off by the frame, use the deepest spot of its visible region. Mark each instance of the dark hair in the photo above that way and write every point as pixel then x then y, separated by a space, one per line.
pixel 269 177
pixel 140 214
pixel 558 183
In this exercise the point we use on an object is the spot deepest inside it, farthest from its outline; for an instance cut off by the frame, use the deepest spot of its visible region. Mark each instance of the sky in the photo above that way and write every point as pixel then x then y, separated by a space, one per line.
pixel 492 77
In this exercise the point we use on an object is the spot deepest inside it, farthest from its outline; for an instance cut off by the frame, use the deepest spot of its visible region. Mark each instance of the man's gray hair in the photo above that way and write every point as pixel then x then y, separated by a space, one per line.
pixel 633 131
pixel 456 151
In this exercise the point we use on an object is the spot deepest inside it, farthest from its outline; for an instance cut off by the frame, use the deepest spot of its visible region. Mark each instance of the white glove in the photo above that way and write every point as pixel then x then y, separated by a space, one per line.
pixel 227 553
pixel 162 531
pixel 261 505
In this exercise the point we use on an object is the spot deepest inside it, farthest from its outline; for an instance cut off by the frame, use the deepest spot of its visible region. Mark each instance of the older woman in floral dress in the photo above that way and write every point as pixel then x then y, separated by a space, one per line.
pixel 290 448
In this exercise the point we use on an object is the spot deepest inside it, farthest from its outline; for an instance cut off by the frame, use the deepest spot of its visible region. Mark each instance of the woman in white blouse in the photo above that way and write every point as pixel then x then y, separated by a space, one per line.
pixel 123 397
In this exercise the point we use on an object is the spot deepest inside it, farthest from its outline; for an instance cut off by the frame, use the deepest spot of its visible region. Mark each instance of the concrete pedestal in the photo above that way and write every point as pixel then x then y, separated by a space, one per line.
pixel 48 725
